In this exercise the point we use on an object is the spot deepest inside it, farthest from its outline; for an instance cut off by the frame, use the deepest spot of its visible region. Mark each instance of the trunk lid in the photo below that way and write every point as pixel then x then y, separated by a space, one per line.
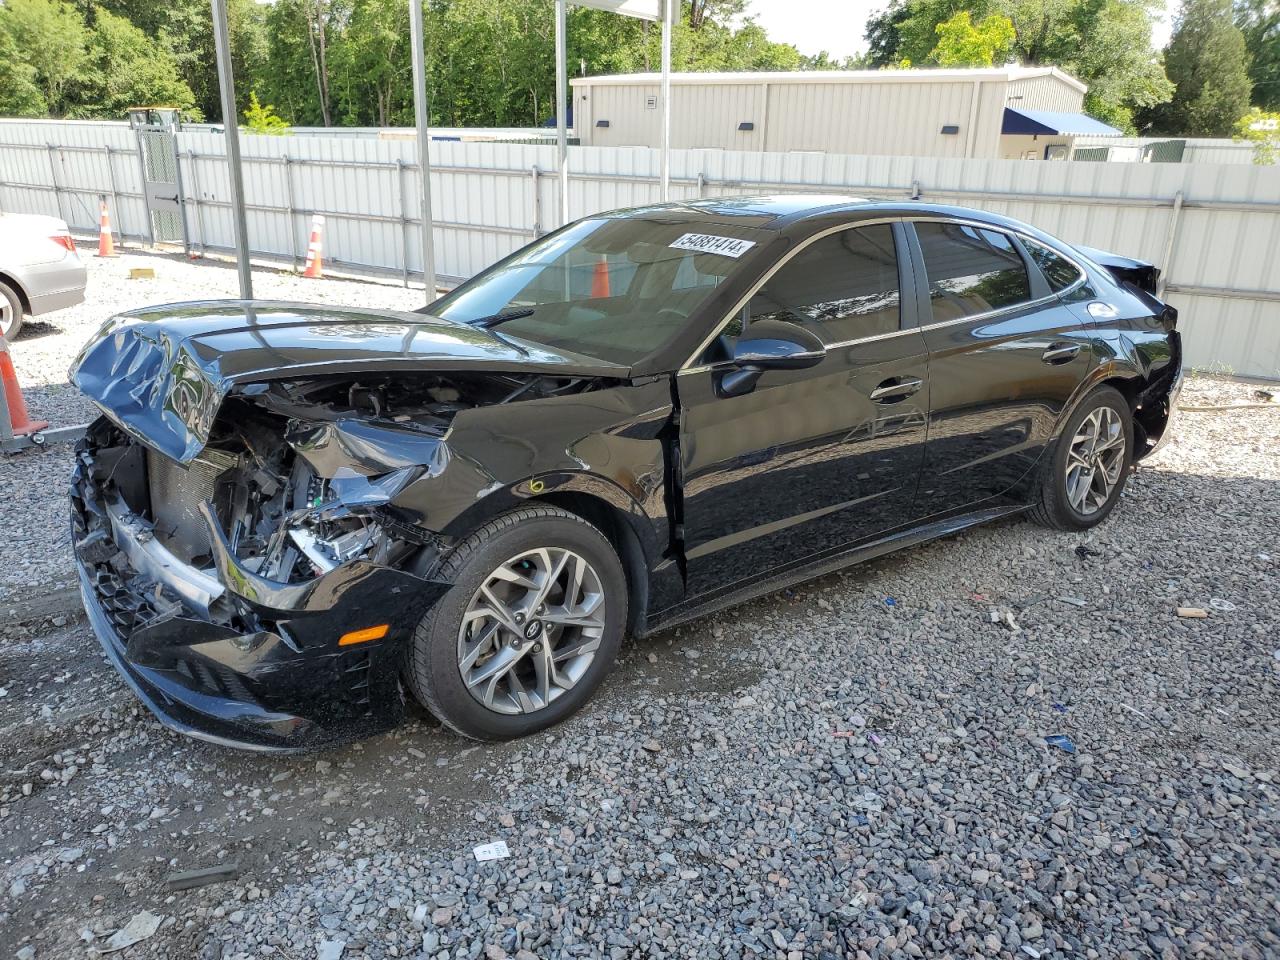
pixel 1143 275
pixel 161 373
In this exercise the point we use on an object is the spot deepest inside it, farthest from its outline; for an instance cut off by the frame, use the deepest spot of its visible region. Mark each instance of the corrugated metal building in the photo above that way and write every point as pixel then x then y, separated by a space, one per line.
pixel 1008 112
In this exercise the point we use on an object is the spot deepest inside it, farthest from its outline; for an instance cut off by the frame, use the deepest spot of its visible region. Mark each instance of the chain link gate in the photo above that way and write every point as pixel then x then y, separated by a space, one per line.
pixel 156 129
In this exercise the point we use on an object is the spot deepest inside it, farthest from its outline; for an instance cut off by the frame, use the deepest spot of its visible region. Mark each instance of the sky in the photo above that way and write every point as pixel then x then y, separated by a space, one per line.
pixel 837 25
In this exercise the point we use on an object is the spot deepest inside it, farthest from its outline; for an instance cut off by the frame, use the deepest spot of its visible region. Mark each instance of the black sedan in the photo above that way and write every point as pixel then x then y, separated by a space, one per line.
pixel 290 518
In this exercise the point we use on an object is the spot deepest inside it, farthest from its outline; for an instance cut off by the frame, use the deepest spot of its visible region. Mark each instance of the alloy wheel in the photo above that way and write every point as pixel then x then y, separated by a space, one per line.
pixel 531 631
pixel 1095 460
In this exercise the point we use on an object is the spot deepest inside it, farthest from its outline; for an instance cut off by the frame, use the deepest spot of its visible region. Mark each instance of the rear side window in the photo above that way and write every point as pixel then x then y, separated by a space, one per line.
pixel 971 270
pixel 1057 269
pixel 842 287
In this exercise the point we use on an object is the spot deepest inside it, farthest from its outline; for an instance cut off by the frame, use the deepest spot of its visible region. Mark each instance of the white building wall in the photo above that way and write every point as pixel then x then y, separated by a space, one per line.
pixel 885 113
pixel 891 119
pixel 1198 149
pixel 1031 147
pixel 701 116
pixel 1049 92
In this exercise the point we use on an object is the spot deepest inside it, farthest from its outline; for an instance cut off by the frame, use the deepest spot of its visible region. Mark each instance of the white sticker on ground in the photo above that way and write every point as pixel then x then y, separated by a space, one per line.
pixel 709 243
pixel 492 851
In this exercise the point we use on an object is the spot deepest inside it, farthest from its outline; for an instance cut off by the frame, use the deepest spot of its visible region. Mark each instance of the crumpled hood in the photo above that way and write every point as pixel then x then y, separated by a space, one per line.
pixel 161 373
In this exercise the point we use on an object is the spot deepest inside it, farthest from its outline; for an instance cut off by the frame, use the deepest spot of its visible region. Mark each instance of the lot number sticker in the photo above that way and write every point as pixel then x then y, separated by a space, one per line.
pixel 709 243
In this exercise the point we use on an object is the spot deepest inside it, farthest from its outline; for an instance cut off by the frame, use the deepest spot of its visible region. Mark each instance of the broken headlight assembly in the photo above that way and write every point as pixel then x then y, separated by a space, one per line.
pixel 312 525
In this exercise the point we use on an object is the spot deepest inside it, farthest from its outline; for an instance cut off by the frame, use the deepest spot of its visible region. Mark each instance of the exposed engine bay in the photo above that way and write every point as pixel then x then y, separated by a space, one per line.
pixel 301 476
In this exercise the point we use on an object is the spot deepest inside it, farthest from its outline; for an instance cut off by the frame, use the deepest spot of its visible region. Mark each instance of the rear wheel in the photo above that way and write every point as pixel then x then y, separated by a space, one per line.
pixel 1086 471
pixel 530 627
pixel 10 311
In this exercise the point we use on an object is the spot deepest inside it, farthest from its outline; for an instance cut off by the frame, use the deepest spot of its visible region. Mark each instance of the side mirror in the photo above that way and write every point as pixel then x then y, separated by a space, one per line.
pixel 769 345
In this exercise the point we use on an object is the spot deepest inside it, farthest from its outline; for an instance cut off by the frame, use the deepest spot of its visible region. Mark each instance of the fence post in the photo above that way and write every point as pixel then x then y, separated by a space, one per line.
pixel 1169 242
pixel 115 200
pixel 537 203
pixel 288 209
pixel 404 224
pixel 142 183
pixel 53 173
pixel 182 197
pixel 192 157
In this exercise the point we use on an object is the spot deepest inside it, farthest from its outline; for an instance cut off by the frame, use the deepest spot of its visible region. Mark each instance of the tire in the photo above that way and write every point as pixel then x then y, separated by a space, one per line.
pixel 529 540
pixel 10 311
pixel 1060 504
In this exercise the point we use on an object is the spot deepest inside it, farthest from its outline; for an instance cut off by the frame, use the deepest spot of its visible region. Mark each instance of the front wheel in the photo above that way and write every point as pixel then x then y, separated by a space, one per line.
pixel 531 625
pixel 10 311
pixel 1087 468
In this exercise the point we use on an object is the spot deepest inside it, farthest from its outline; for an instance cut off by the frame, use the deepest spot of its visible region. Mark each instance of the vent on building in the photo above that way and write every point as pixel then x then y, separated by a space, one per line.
pixel 651 103
pixel 602 123
pixel 951 129
pixel 746 125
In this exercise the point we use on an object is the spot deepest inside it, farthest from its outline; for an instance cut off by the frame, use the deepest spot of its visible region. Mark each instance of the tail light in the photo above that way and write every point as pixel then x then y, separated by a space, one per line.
pixel 64 240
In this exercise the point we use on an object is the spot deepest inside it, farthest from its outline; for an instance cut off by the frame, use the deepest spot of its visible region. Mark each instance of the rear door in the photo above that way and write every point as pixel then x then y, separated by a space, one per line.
pixel 1006 356
pixel 811 460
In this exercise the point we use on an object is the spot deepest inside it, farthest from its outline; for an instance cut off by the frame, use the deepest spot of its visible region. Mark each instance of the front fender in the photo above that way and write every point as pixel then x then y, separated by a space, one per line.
pixel 606 444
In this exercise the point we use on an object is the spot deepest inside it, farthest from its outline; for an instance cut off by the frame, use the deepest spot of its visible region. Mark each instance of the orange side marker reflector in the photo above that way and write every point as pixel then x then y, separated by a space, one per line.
pixel 363 636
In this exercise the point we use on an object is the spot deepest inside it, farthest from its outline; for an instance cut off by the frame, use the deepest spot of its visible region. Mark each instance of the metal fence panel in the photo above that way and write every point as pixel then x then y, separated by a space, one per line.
pixel 83 160
pixel 1215 229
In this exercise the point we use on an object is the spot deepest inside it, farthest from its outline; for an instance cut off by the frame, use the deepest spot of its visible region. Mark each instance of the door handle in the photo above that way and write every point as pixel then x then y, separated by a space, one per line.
pixel 1060 352
pixel 895 389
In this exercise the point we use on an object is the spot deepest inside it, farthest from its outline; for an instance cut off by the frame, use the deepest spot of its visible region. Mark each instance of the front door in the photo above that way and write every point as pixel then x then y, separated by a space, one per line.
pixel 1006 356
pixel 810 460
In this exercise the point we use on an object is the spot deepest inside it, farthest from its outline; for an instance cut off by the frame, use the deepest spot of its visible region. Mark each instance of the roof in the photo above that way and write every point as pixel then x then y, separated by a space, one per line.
pixel 760 212
pixel 774 205
pixel 782 211
pixel 914 75
pixel 1018 120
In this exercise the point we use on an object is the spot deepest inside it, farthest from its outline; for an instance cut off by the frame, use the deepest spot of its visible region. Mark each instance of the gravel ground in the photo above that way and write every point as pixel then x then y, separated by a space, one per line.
pixel 35 482
pixel 820 773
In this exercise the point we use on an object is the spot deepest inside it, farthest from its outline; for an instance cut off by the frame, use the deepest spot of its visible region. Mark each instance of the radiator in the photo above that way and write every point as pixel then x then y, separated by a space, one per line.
pixel 176 495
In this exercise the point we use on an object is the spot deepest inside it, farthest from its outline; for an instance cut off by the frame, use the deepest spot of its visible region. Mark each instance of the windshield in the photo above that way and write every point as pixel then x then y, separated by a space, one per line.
pixel 613 289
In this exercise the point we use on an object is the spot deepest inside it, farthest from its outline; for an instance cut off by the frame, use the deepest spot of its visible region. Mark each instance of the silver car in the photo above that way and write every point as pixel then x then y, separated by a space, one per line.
pixel 40 270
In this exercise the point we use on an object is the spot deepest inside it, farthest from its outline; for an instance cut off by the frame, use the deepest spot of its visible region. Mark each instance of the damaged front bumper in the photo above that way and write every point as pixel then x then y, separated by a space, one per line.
pixel 231 657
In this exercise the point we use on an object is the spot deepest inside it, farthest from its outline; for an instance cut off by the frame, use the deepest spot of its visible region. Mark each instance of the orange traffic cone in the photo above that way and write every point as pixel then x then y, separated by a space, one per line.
pixel 600 279
pixel 18 418
pixel 106 248
pixel 315 255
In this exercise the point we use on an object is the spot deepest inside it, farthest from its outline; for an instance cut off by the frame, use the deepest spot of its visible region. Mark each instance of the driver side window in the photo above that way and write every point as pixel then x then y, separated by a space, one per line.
pixel 841 287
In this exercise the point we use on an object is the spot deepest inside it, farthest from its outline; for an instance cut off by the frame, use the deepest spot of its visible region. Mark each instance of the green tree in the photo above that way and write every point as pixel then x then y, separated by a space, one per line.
pixel 372 78
pixel 963 43
pixel 20 96
pixel 124 68
pixel 1259 21
pixel 1114 58
pixel 1209 65
pixel 1104 43
pixel 263 119
pixel 288 79
pixel 1262 129
pixel 51 38
pixel 884 34
pixel 185 29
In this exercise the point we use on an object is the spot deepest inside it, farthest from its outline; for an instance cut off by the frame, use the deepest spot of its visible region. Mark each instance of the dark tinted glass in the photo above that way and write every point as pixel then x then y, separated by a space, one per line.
pixel 841 287
pixel 971 270
pixel 616 289
pixel 1058 270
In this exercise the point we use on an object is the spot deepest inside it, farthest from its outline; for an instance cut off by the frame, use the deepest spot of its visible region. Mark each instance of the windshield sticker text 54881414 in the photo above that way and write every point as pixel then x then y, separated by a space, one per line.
pixel 709 243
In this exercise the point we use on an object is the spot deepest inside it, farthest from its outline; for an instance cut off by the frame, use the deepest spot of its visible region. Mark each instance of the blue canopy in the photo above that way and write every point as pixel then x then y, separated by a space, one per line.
pixel 1017 120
